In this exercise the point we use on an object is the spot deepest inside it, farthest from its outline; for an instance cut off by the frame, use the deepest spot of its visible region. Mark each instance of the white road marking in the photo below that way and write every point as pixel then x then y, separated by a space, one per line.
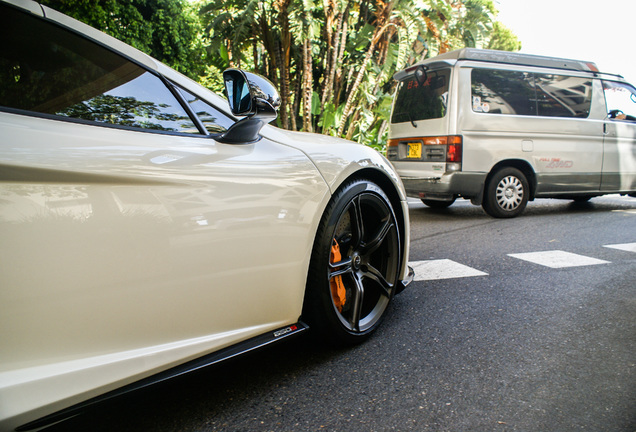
pixel 442 269
pixel 558 259
pixel 629 247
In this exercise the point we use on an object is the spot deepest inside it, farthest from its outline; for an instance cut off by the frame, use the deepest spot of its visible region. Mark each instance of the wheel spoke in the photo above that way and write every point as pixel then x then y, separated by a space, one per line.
pixel 340 268
pixel 375 275
pixel 358 297
pixel 377 240
pixel 357 222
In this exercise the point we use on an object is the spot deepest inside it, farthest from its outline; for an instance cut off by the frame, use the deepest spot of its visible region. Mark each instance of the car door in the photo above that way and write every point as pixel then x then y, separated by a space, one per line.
pixel 129 234
pixel 619 150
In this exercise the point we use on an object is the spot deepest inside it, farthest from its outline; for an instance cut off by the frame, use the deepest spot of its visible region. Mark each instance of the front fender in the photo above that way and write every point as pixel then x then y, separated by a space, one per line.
pixel 337 159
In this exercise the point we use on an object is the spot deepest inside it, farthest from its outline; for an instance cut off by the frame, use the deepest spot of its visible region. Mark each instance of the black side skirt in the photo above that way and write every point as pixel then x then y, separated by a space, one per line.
pixel 208 360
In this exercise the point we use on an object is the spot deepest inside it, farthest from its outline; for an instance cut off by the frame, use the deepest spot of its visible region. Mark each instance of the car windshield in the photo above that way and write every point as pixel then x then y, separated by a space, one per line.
pixel 422 101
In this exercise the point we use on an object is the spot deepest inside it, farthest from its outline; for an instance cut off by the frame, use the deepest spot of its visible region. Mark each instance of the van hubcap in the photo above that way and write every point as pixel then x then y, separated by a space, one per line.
pixel 509 193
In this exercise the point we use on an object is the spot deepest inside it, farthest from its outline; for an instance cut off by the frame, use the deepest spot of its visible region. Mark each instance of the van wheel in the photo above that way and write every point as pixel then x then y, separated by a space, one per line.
pixel 506 193
pixel 437 204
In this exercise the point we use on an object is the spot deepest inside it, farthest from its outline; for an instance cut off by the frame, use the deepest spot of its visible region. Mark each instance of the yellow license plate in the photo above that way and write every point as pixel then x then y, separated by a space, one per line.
pixel 414 150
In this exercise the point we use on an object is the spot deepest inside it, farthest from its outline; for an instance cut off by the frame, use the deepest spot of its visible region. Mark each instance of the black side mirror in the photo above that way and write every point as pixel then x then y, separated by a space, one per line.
pixel 249 95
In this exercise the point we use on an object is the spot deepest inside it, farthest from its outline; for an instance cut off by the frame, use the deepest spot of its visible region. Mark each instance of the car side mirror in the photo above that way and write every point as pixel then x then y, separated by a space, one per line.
pixel 249 95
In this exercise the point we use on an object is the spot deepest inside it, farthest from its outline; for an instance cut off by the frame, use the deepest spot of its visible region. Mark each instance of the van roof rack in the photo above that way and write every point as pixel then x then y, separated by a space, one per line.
pixel 518 58
pixel 507 57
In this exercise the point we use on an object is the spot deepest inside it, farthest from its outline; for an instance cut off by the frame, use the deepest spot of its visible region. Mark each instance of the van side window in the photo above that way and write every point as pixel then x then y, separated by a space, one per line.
pixel 50 70
pixel 525 93
pixel 563 96
pixel 422 101
pixel 621 100
pixel 503 92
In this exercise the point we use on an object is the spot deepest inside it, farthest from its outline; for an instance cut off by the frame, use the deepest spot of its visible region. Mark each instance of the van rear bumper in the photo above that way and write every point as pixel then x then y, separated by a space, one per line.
pixel 465 184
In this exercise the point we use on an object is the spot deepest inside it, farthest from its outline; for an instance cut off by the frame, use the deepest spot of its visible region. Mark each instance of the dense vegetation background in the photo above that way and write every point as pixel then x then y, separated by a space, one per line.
pixel 333 61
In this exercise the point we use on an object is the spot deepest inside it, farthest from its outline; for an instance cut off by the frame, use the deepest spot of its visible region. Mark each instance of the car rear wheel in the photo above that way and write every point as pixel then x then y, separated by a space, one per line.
pixel 355 264
pixel 506 193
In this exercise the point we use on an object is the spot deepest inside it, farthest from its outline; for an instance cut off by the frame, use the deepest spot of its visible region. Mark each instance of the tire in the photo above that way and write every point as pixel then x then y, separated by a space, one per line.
pixel 436 204
pixel 348 295
pixel 506 194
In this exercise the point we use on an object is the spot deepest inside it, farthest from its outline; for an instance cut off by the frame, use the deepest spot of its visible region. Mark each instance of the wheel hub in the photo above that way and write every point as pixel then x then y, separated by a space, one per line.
pixel 510 192
pixel 357 261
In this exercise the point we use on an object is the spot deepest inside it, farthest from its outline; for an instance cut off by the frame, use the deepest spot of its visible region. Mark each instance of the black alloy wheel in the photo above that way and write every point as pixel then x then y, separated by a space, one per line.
pixel 355 264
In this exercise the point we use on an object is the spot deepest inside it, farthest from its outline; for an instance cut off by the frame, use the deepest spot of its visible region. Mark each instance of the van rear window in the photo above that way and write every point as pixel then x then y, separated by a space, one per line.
pixel 422 101
pixel 530 94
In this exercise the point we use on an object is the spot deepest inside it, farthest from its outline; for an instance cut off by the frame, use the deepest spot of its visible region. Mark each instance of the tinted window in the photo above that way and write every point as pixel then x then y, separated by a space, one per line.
pixel 503 92
pixel 524 93
pixel 47 69
pixel 213 120
pixel 415 101
pixel 563 96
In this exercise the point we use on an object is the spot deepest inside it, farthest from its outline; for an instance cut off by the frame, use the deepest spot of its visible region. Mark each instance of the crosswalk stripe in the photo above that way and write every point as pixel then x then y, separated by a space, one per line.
pixel 442 269
pixel 629 247
pixel 449 269
pixel 558 259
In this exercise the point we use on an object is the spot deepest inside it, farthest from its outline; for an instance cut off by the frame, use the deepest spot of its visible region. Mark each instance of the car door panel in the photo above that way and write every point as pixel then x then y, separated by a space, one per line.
pixel 195 223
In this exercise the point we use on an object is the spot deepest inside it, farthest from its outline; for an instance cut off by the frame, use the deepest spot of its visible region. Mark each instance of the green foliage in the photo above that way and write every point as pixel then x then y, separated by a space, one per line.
pixel 503 39
pixel 334 60
pixel 168 30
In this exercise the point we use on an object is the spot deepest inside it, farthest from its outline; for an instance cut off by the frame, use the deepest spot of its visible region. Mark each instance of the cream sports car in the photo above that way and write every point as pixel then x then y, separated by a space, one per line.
pixel 146 231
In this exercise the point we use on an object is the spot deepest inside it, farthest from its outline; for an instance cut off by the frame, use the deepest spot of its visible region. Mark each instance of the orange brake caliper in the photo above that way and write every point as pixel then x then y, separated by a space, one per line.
pixel 338 291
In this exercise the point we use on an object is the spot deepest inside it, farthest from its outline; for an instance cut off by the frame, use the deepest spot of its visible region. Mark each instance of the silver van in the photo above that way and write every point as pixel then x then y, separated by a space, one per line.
pixel 502 128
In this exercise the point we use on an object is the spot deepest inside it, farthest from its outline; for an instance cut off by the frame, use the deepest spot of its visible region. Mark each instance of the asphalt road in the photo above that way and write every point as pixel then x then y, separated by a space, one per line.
pixel 520 347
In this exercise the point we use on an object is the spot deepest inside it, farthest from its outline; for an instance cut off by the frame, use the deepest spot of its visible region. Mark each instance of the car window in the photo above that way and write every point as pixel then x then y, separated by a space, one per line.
pixel 213 120
pixel 50 70
pixel 524 93
pixel 422 101
pixel 503 92
pixel 563 96
pixel 621 100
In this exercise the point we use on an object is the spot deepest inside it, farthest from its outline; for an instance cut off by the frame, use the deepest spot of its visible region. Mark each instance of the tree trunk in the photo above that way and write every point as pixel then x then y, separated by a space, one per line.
pixel 308 86
pixel 283 62
pixel 354 89
pixel 332 63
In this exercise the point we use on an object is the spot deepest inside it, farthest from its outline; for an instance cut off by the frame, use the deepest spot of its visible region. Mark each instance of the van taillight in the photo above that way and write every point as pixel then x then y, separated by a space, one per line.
pixel 453 145
pixel 454 149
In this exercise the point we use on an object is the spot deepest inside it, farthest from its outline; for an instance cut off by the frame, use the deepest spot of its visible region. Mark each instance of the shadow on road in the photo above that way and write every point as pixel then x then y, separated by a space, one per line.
pixel 190 401
pixel 463 209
